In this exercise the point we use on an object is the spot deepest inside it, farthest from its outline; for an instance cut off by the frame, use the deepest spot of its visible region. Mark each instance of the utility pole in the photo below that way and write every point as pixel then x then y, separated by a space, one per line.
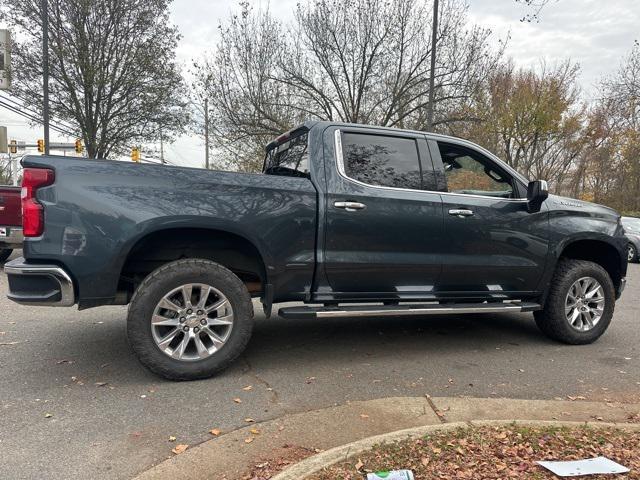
pixel 45 73
pixel 432 75
pixel 206 133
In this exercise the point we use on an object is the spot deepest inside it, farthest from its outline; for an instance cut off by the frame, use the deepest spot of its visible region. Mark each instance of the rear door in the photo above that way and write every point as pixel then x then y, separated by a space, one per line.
pixel 384 231
pixel 495 248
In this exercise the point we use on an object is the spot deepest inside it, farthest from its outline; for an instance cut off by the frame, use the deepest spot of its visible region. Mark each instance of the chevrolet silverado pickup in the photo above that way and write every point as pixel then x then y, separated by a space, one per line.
pixel 352 220
pixel 10 221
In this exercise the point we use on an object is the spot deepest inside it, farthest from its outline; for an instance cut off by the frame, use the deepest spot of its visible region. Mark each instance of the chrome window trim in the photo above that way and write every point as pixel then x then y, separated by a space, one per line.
pixel 343 174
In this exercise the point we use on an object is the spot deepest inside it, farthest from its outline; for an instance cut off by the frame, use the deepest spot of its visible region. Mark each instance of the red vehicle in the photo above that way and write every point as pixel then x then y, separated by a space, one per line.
pixel 10 221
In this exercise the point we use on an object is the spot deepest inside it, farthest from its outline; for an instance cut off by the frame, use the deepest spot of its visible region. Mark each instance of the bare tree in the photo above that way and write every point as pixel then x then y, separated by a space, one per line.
pixel 113 74
pixel 533 120
pixel 363 61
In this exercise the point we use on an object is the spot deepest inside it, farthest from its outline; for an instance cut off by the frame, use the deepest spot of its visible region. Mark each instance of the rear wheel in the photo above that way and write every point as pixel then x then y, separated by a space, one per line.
pixel 632 253
pixel 580 303
pixel 189 319
pixel 4 254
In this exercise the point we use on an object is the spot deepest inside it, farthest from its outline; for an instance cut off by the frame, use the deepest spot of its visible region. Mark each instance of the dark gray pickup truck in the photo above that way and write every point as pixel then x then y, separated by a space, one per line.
pixel 353 220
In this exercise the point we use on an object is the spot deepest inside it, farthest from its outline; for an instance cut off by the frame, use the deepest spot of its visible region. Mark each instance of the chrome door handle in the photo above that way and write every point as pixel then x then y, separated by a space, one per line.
pixel 350 206
pixel 461 212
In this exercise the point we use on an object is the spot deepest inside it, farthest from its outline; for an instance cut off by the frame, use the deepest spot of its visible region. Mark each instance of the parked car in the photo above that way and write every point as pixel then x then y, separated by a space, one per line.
pixel 632 232
pixel 10 221
pixel 352 220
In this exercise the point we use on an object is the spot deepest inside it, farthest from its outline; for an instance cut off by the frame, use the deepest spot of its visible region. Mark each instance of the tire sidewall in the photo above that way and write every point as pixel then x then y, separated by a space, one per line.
pixel 580 270
pixel 167 278
pixel 635 253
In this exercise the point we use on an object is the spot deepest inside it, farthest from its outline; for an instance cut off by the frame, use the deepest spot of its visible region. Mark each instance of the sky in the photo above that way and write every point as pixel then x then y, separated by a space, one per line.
pixel 593 33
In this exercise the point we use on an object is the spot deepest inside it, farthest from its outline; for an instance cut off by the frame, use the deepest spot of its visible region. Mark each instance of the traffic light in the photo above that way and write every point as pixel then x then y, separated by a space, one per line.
pixel 79 146
pixel 135 154
pixel 41 145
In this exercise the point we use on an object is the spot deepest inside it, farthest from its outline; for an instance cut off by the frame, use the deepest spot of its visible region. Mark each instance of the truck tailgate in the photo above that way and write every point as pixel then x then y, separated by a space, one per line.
pixel 10 209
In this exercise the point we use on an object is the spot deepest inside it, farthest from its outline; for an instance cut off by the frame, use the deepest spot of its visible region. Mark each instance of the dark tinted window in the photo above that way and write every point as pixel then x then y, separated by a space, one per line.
pixel 291 158
pixel 381 160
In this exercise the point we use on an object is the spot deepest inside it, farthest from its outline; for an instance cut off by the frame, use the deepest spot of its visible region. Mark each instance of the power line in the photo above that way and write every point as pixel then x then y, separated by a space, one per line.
pixel 22 113
pixel 21 105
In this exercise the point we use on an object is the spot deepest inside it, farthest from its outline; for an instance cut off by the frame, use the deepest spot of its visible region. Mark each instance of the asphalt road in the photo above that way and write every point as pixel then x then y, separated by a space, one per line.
pixel 74 402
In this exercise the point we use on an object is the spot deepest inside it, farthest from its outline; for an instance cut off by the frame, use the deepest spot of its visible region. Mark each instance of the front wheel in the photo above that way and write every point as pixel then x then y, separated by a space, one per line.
pixel 189 319
pixel 580 303
pixel 632 253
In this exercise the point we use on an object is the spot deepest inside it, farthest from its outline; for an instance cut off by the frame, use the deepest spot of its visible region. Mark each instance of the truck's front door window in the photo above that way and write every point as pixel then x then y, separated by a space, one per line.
pixel 381 160
pixel 290 158
pixel 470 173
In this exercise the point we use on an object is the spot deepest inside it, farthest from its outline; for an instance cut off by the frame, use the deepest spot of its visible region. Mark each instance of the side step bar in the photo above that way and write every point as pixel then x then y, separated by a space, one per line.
pixel 305 312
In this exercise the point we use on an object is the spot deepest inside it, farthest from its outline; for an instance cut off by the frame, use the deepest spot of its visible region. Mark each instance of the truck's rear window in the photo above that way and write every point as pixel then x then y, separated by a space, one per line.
pixel 290 158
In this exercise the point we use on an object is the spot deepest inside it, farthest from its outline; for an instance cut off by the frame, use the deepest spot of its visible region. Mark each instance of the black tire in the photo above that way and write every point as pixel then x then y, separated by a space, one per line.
pixel 4 254
pixel 171 276
pixel 552 319
pixel 633 253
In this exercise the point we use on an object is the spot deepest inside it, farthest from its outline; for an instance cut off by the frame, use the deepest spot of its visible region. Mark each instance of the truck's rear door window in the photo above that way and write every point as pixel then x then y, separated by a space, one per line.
pixel 290 158
pixel 381 160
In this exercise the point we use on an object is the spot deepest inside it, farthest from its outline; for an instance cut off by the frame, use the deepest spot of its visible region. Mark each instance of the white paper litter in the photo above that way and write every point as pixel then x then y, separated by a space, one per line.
pixel 590 466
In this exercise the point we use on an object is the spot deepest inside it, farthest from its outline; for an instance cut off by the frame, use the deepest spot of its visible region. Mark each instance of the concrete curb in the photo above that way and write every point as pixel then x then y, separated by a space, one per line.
pixel 228 456
pixel 313 464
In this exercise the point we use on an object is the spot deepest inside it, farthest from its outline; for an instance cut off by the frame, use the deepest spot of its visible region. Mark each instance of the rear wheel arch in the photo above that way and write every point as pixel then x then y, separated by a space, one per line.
pixel 163 246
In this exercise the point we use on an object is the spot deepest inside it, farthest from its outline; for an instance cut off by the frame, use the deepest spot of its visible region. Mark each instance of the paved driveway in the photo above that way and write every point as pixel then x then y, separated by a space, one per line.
pixel 110 418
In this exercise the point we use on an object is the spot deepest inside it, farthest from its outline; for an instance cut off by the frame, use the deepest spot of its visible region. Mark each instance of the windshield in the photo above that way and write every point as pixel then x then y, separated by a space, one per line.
pixel 631 225
pixel 290 158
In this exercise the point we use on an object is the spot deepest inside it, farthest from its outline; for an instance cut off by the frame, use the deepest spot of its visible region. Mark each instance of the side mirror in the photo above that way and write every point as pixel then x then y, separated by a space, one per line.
pixel 537 192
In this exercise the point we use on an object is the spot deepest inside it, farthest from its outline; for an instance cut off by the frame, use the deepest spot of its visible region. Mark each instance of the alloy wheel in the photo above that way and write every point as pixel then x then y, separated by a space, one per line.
pixel 192 322
pixel 584 304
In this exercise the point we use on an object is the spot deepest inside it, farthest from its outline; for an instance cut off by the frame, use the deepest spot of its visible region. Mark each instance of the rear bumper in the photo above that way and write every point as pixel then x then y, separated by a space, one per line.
pixel 10 237
pixel 35 284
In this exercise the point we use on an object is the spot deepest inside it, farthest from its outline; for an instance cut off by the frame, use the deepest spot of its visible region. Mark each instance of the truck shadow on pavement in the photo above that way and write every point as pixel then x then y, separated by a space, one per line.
pixel 102 348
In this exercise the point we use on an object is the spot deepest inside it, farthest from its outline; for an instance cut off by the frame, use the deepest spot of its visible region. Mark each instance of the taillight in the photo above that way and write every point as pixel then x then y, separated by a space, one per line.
pixel 32 210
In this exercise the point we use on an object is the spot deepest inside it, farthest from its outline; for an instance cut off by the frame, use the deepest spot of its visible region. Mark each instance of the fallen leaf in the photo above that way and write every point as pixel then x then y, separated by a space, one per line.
pixel 424 461
pixel 101 384
pixel 215 431
pixel 364 415
pixel 255 431
pixel 248 440
pixel 359 464
pixel 237 400
pixel 248 388
pixel 172 438
pixel 249 420
pixel 48 415
pixel 180 449
pixel 281 428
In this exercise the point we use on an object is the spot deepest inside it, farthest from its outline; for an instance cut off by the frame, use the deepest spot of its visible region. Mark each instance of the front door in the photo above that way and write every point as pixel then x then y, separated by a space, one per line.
pixel 494 247
pixel 384 232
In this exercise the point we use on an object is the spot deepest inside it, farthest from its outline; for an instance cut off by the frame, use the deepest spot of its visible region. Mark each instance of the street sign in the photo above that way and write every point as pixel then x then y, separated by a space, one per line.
pixel 5 60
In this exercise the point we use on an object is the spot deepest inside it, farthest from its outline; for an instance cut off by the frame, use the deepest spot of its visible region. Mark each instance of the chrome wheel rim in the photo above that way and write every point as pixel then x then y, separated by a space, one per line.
pixel 631 252
pixel 584 304
pixel 192 322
